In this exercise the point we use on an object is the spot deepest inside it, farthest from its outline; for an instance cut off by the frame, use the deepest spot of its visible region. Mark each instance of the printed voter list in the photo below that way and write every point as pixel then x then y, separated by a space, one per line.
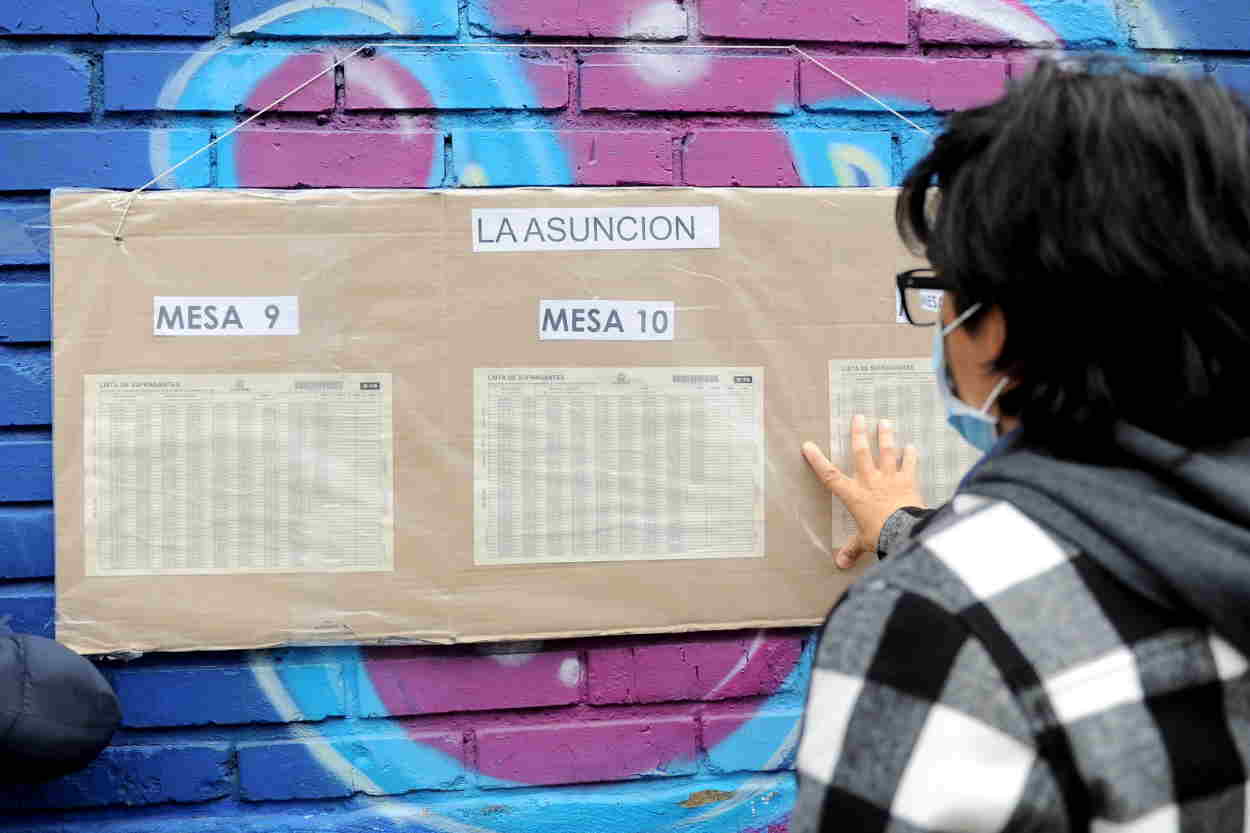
pixel 238 473
pixel 580 464
pixel 904 392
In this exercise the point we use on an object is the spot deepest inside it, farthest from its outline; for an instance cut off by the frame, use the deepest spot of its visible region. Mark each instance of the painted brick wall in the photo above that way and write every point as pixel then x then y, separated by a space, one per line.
pixel 638 734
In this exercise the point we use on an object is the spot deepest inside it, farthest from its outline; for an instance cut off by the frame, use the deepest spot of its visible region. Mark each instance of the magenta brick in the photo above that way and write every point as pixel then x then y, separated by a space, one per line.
pixel 691 668
pixel 637 19
pixel 753 158
pixel 602 750
pixel 283 158
pixel 847 21
pixel 688 83
pixel 907 83
pixel 420 681
pixel 939 26
pixel 620 158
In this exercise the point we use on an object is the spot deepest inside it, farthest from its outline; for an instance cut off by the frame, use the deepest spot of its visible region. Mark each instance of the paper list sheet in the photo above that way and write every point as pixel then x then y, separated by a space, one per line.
pixel 226 473
pixel 618 464
pixel 904 392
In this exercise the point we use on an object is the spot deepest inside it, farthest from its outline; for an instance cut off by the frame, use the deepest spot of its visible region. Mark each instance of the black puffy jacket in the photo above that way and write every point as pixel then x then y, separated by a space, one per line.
pixel 57 712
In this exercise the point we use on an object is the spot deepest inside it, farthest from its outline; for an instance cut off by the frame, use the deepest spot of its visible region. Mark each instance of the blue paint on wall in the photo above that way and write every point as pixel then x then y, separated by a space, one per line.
pixel 320 18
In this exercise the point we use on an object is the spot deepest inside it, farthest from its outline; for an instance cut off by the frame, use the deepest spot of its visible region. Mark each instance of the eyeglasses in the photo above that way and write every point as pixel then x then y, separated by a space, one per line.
pixel 920 291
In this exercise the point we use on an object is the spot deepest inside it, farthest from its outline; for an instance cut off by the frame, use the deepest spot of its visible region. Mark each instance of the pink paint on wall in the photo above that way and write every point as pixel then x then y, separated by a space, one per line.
pixel 857 21
pixel 549 82
pixel 606 750
pixel 380 83
pixel 421 681
pixel 335 158
pixel 629 726
pixel 645 19
pixel 683 668
pixel 942 27
pixel 686 83
pixel 994 22
pixel 319 95
pixel 620 158
pixel 754 158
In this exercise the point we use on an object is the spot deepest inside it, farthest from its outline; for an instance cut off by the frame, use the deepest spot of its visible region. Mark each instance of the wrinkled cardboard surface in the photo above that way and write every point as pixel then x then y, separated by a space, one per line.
pixel 387 281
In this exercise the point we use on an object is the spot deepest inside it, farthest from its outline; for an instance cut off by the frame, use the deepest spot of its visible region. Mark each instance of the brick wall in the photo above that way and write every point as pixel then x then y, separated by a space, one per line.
pixel 622 735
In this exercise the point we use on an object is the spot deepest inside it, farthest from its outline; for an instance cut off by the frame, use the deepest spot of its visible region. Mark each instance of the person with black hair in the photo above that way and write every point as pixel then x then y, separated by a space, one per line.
pixel 1062 646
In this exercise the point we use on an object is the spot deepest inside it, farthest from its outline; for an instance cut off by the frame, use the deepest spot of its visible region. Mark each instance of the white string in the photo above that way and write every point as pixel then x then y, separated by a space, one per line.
pixel 117 234
pixel 860 90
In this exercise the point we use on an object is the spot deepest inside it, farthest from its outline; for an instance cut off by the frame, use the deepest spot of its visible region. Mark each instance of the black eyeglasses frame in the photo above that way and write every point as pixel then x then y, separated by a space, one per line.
pixel 923 278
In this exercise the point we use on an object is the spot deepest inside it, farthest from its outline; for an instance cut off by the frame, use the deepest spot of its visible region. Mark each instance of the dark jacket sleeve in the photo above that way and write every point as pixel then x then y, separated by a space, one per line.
pixel 57 712
pixel 899 527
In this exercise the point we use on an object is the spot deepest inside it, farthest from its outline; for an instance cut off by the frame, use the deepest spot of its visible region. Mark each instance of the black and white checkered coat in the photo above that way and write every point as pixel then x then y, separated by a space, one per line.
pixel 987 678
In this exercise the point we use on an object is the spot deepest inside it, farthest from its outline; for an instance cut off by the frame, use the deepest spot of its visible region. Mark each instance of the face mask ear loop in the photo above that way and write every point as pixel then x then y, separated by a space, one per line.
pixel 964 316
pixel 998 389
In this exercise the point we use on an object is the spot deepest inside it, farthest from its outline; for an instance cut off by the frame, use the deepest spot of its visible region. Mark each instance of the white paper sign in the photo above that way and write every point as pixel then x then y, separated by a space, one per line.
pixel 599 320
pixel 225 316
pixel 576 229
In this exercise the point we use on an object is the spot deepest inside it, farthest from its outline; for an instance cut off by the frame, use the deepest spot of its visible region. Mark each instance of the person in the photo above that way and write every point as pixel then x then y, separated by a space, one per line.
pixel 1062 645
pixel 57 712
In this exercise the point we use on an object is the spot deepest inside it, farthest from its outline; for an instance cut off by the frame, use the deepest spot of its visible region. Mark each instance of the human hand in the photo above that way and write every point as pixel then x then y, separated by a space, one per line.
pixel 875 492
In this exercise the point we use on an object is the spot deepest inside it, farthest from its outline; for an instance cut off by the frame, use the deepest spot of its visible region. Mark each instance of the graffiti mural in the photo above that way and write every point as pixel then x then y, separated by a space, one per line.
pixel 588 745
pixel 406 150
pixel 649 735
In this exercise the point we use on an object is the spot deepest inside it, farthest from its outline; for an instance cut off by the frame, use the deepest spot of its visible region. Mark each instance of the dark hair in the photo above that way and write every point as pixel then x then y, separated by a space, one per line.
pixel 1106 212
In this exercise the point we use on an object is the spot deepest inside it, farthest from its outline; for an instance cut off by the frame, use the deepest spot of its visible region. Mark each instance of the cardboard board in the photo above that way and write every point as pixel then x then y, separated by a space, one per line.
pixel 321 483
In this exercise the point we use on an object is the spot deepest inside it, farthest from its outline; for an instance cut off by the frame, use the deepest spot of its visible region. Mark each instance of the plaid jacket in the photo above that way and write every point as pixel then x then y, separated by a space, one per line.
pixel 989 678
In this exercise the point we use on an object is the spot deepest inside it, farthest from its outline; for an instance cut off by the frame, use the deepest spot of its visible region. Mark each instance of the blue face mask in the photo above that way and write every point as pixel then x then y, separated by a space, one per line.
pixel 976 426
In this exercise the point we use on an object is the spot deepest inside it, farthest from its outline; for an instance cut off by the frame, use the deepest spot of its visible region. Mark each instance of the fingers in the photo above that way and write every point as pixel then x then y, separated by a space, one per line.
pixel 846 557
pixel 885 440
pixel 825 470
pixel 911 458
pixel 861 451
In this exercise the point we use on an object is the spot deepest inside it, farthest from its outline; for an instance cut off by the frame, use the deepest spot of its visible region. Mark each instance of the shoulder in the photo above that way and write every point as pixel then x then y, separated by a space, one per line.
pixel 909 715
pixel 972 550
pixel 917 622
pixel 908 638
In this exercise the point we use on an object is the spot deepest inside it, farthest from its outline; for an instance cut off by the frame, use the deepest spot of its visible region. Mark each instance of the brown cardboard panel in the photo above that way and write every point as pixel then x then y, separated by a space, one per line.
pixel 387 282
